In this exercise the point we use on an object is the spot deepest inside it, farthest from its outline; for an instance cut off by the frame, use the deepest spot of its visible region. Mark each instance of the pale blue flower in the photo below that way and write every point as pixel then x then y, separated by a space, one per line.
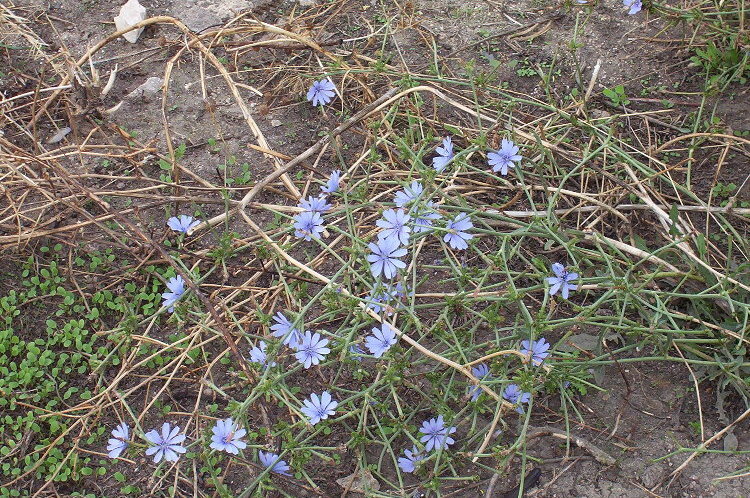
pixel 273 461
pixel 321 92
pixel 505 156
pixel 481 372
pixel 165 445
pixel 410 458
pixel 284 329
pixel 312 349
pixel 424 217
pixel 183 223
pixel 383 295
pixel 635 6
pixel 333 183
pixel 176 286
pixel 514 395
pixel 308 225
pixel 227 437
pixel 561 281
pixel 457 236
pixel 315 204
pixel 445 154
pixel 381 340
pixel 537 349
pixel 384 258
pixel 394 225
pixel 119 441
pixel 408 194
pixel 258 355
pixel 356 352
pixel 319 408
pixel 436 434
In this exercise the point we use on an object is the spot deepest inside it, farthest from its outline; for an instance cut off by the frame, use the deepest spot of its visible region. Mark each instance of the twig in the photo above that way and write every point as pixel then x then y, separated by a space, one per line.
pixel 599 455
pixel 549 17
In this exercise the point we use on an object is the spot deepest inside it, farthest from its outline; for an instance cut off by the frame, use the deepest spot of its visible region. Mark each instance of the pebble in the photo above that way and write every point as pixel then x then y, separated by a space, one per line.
pixel 147 90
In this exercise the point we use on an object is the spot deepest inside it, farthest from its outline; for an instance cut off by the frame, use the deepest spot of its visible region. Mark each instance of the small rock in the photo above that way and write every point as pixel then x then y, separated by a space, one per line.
pixel 361 481
pixel 202 15
pixel 730 442
pixel 147 90
pixel 652 476
pixel 600 114
pixel 130 14
pixel 308 3
pixel 62 133
pixel 275 123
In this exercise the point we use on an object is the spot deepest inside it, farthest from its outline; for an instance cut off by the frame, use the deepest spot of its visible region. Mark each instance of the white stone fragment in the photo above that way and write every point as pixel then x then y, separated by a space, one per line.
pixel 130 14
pixel 58 137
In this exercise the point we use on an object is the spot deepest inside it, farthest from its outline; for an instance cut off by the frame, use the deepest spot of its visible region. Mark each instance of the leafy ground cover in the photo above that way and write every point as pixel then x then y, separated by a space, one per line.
pixel 402 290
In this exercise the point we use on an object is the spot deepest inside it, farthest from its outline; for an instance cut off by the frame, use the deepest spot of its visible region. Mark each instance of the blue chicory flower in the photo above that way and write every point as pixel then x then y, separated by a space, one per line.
pixel 424 216
pixel 333 183
pixel 436 434
pixel 384 258
pixel 383 295
pixel 514 395
pixel 258 355
pixel 445 154
pixel 227 437
pixel 321 92
pixel 356 352
pixel 308 225
pixel 183 223
pixel 394 225
pixel 315 204
pixel 635 6
pixel 381 340
pixel 283 328
pixel 505 156
pixel 457 236
pixel 318 408
pixel 410 458
pixel 165 445
pixel 408 194
pixel 537 349
pixel 561 281
pixel 312 349
pixel 481 372
pixel 273 461
pixel 119 441
pixel 176 286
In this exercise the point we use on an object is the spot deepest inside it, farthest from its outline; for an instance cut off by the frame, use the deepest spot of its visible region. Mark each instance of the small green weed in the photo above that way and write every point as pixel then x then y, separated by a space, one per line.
pixel 616 95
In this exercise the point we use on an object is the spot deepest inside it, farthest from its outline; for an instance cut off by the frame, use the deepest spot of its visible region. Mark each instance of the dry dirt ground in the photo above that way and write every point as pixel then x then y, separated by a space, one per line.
pixel 642 412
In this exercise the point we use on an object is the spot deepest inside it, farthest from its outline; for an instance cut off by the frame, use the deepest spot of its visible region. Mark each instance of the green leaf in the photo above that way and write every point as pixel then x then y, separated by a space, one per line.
pixel 180 151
